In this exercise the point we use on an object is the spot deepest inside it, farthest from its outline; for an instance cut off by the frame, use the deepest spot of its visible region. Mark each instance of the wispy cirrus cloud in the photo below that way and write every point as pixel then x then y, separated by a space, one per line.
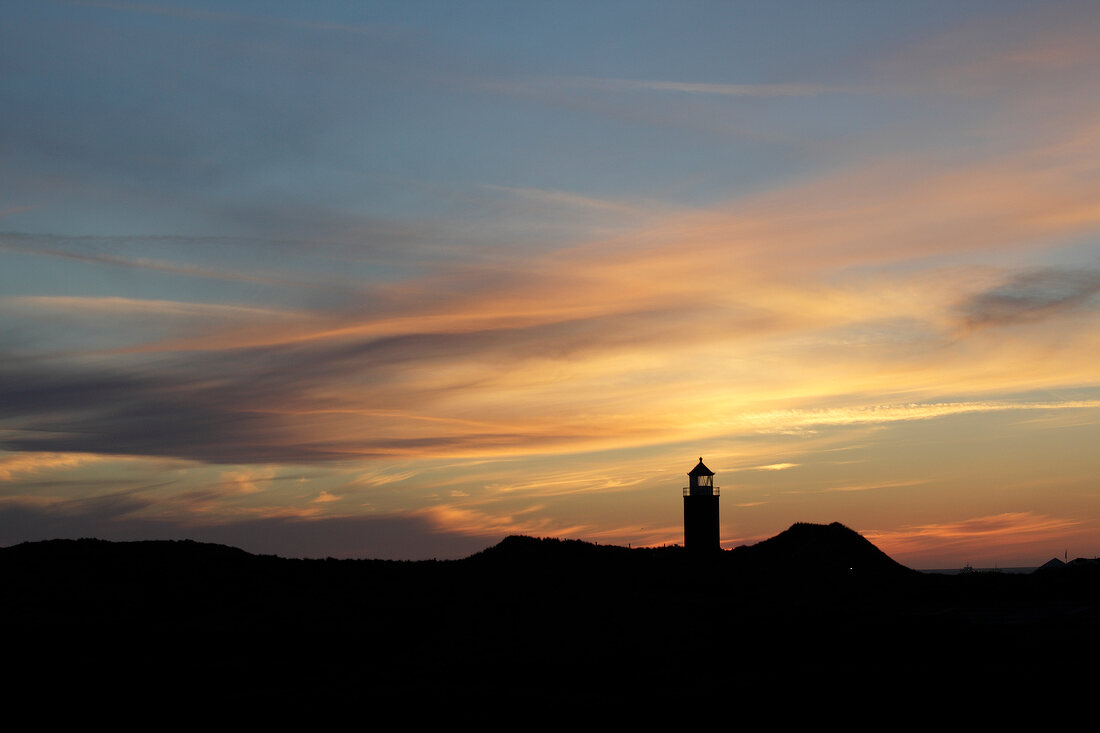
pixel 915 411
pixel 578 346
pixel 570 200
pixel 875 485
pixel 219 16
pixel 684 87
pixel 115 306
pixel 23 244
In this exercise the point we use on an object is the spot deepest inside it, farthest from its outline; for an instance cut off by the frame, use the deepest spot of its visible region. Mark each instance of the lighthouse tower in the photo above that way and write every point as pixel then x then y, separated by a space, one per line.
pixel 701 510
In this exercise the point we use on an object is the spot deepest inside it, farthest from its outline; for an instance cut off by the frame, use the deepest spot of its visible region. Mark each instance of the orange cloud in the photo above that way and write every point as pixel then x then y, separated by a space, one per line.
pixel 17 464
pixel 831 300
pixel 989 537
pixel 452 518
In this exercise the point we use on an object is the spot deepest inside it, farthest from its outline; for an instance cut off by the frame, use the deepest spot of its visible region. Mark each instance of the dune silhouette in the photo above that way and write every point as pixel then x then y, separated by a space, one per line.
pixel 820 548
pixel 526 624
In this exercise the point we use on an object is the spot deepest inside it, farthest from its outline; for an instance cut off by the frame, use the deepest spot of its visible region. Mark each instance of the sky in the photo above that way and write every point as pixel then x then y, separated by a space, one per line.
pixel 397 280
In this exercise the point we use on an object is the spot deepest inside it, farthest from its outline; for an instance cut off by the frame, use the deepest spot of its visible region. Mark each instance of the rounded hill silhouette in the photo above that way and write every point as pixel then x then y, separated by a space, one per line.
pixel 828 549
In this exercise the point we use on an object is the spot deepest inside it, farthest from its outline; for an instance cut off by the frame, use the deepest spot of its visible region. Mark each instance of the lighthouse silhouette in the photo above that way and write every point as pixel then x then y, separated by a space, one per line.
pixel 701 510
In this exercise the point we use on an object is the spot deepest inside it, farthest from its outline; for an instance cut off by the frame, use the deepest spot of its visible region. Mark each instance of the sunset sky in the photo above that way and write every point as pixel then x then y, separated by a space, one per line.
pixel 398 279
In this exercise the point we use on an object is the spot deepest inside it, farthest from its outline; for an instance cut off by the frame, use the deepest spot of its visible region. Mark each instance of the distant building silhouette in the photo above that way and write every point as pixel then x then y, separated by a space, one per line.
pixel 701 510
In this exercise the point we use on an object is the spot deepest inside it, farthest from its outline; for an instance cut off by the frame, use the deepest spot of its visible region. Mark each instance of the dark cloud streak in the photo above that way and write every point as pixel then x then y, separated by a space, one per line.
pixel 1032 296
pixel 264 404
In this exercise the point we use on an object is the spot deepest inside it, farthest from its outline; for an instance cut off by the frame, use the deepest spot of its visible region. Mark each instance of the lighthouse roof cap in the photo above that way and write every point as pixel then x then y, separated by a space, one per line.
pixel 701 470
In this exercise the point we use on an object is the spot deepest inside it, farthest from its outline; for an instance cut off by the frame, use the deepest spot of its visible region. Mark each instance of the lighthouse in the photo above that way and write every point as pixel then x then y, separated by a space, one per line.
pixel 701 510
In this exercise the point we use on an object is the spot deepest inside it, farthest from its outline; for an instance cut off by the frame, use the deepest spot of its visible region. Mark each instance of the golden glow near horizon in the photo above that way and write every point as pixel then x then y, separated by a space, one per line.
pixel 898 331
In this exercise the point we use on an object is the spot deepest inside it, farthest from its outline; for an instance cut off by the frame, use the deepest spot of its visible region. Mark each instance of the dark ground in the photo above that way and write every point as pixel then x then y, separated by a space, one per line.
pixel 815 616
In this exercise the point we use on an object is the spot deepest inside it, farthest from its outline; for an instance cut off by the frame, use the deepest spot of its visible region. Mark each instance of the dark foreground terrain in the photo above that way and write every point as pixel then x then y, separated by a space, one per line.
pixel 816 615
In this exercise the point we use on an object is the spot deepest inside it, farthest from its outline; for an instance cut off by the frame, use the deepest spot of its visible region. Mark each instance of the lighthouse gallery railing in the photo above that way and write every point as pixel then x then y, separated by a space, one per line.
pixel 701 491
